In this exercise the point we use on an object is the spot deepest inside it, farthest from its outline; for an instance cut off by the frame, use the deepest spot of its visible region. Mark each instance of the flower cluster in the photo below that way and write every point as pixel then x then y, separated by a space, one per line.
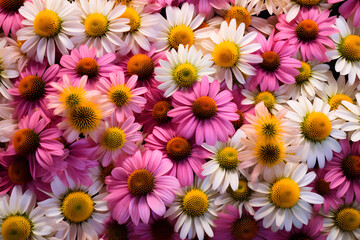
pixel 179 119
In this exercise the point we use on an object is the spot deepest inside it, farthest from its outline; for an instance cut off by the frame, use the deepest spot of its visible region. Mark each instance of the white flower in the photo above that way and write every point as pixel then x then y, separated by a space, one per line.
pixel 352 115
pixel 13 51
pixel 272 6
pixel 8 125
pixel 7 70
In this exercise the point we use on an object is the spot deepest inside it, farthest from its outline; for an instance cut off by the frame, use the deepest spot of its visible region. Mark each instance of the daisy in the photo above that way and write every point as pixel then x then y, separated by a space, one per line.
pixel 84 62
pixel 122 97
pixel 352 115
pixel 186 156
pixel 309 31
pixel 141 187
pixel 293 8
pixel 20 219
pixel 183 68
pixel 272 6
pixel 8 125
pixel 195 210
pixel 346 50
pixel 101 25
pixel 348 8
pixel 319 129
pixel 81 208
pixel 7 69
pixel 243 110
pixel 203 110
pixel 222 170
pixel 32 87
pixel 232 52
pixel 10 17
pixel 47 26
pixel 284 199
pixel 13 51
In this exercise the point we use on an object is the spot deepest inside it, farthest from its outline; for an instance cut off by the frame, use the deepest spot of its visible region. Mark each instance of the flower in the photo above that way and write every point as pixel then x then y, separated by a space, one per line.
pixel 114 230
pixel 8 125
pixel 13 51
pixel 295 6
pixel 351 115
pixel 348 8
pixel 272 6
pixel 7 70
pixel 10 17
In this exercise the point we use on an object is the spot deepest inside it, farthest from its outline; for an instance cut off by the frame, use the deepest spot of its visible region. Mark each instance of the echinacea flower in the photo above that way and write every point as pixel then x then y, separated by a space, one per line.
pixel 10 16
pixel 293 8
pixel 348 8
pixel 205 6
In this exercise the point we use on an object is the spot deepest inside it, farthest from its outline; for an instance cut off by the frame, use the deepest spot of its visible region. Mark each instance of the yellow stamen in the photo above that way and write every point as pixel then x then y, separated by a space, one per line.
pixel 316 126
pixel 72 97
pixel 185 75
pixel 16 228
pixel 181 34
pixel 240 14
pixel 85 117
pixel 285 193
pixel 77 206
pixel 304 73
pixel 348 219
pixel 96 25
pixel 226 54
pixel 349 48
pixel 227 158
pixel 267 97
pixel 134 17
pixel 270 153
pixel 120 95
pixel 242 193
pixel 195 202
pixel 113 138
pixel 47 23
pixel 335 100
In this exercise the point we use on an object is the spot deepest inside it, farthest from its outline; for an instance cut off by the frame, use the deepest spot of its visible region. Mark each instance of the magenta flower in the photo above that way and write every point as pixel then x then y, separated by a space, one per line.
pixel 203 110
pixel 205 6
pixel 348 8
pixel 140 187
pixel 10 18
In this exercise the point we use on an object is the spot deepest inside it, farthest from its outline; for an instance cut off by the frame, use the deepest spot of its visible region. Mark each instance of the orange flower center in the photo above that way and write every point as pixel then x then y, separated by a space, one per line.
pixel 140 182
pixel 19 171
pixel 307 30
pixel 141 65
pixel 178 148
pixel 204 107
pixel 160 110
pixel 32 88
pixel 271 61
pixel 87 66
pixel 26 141
pixel 238 123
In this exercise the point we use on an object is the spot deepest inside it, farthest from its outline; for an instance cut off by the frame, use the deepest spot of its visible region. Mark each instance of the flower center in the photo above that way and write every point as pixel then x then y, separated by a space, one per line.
pixel 72 97
pixel 160 110
pixel 316 126
pixel 117 231
pixel 285 193
pixel 271 61
pixel 32 88
pixel 240 14
pixel 96 25
pixel 308 3
pixel 299 236
pixel 87 66
pixel 335 100
pixel 77 206
pixel 26 141
pixel 195 202
pixel 113 138
pixel 242 193
pixel 244 228
pixel 141 65
pixel 47 23
pixel 19 171
pixel 307 30
pixel 134 18
pixel 348 219
pixel 269 127
pixel 226 54
pixel 238 123
pixel 267 97
pixel 11 5
pixel 120 95
pixel 227 158
pixel 16 227
pixel 204 107
pixel 185 75
pixel 140 182
pixel 351 167
pixel 85 117
pixel 106 171
pixel 181 34
pixel 349 48
pixel 162 230
pixel 178 148
pixel 304 73
pixel 270 153
pixel 322 187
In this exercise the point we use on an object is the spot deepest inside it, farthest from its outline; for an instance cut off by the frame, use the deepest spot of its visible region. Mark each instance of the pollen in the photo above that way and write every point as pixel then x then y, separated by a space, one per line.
pixel 238 123
pixel 162 230
pixel 87 66
pixel 204 107
pixel 96 25
pixel 322 187
pixel 19 171
pixel 268 127
pixel 185 75
pixel 307 30
pixel 348 219
pixel 195 202
pixel 243 192
pixel 285 193
pixel 226 54
pixel 26 141
pixel 120 95
pixel 160 110
pixel 16 228
pixel 240 14
pixel 85 117
pixel 113 138
pixel 335 100
pixel 267 97
pixel 11 5
pixel 181 34
pixel 141 182
pixel 351 167
pixel 308 3
pixel 47 24
pixel 245 228
pixel 178 148
pixel 271 61
pixel 32 88
pixel 227 158
pixel 349 48
pixel 304 73
pixel 72 97
pixel 77 206
pixel 141 65
pixel 270 153
pixel 134 17
pixel 316 126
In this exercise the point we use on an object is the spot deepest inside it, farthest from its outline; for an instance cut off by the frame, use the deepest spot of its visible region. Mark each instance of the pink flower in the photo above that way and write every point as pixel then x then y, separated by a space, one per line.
pixel 203 110
pixel 114 230
pixel 10 18
pixel 309 31
pixel 140 187
pixel 348 8
pixel 277 65
pixel 205 6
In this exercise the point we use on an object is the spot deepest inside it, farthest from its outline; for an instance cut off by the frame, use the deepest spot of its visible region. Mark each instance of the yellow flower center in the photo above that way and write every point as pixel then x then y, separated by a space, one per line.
pixel 204 107
pixel 85 117
pixel 322 187
pixel 162 230
pixel 120 95
pixel 308 3
pixel 268 127
pixel 160 110
pixel 228 158
pixel 11 5
pixel 240 14
pixel 181 34
pixel 47 23
pixel 270 153
pixel 77 206
pixel 178 148
pixel 349 48
pixel 19 171
pixel 285 193
pixel 113 138
pixel 238 123
pixel 244 228
pixel 242 193
pixel 226 54
pixel 185 75
pixel 335 100
pixel 141 182
pixel 87 66
pixel 304 73
pixel 134 17
pixel 351 167
pixel 117 231
pixel 348 219
pixel 267 97
pixel 31 88
pixel 195 202
pixel 271 61
pixel 72 97
pixel 316 126
pixel 141 65
pixel 16 228
pixel 96 25
pixel 307 30
pixel 26 141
